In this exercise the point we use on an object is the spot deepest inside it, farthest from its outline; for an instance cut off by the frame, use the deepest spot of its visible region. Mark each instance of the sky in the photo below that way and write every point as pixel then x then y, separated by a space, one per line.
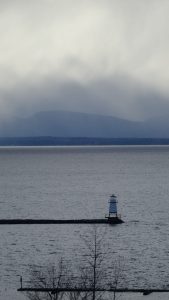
pixel 100 56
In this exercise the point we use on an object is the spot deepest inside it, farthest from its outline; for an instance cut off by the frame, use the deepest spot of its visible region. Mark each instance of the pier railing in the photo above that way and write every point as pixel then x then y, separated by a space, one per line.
pixel 119 290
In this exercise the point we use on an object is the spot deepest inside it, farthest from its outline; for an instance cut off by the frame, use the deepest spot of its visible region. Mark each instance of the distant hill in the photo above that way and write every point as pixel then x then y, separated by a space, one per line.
pixel 56 141
pixel 68 124
pixel 63 124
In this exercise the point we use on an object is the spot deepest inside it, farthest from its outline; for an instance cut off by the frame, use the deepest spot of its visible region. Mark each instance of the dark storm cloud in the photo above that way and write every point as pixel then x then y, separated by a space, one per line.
pixel 100 56
pixel 119 97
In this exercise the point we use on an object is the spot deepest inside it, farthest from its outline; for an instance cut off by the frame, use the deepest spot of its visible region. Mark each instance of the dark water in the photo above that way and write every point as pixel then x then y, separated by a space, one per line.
pixel 75 182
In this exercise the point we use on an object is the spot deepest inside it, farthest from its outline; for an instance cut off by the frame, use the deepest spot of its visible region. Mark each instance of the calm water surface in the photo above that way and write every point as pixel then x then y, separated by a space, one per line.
pixel 75 182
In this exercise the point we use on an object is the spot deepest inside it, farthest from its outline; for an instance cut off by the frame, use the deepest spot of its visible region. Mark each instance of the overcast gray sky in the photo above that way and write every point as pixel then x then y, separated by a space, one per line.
pixel 99 56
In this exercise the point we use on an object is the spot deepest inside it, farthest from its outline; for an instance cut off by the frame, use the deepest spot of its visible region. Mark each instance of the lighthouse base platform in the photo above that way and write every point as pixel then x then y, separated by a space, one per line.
pixel 114 220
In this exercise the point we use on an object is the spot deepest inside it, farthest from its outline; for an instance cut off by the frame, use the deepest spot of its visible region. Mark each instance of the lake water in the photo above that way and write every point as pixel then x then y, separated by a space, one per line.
pixel 75 182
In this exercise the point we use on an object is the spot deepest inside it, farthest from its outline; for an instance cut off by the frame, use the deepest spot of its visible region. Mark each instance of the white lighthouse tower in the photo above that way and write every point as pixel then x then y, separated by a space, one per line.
pixel 113 216
pixel 113 206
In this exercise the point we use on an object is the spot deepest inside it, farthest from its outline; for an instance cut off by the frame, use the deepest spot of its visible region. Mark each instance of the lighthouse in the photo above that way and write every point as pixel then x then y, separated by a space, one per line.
pixel 113 206
pixel 113 217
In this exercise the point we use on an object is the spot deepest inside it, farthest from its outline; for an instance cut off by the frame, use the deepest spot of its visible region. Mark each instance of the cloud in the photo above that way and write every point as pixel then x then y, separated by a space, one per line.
pixel 119 96
pixel 107 56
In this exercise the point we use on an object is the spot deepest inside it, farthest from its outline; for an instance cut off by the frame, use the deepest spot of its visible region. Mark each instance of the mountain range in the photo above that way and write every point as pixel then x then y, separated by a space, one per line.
pixel 74 124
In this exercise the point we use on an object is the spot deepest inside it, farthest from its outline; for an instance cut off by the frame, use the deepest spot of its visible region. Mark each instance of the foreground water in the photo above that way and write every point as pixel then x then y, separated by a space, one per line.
pixel 75 182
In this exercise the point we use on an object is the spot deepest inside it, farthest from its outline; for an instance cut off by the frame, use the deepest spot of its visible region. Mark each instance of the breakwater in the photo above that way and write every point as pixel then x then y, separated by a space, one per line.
pixel 53 221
